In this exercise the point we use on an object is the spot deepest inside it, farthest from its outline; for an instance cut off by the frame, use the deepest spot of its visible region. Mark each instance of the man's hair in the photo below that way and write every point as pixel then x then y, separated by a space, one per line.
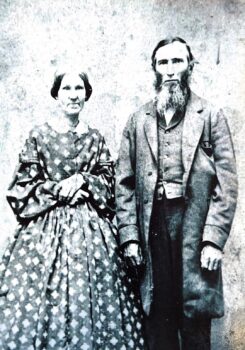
pixel 58 79
pixel 171 40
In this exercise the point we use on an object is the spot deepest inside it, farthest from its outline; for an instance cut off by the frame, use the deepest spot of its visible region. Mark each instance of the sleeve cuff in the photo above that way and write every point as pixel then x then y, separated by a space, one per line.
pixel 215 235
pixel 128 233
pixel 205 243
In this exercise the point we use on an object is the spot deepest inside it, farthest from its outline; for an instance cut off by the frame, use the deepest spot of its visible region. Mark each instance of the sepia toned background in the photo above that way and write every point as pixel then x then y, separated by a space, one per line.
pixel 113 41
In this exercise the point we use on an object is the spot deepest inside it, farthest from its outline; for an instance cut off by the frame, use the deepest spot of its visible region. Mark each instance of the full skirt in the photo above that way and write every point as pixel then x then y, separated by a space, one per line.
pixel 63 286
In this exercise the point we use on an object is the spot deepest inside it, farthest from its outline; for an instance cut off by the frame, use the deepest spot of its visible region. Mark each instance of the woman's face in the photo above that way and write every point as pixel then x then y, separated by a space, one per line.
pixel 71 94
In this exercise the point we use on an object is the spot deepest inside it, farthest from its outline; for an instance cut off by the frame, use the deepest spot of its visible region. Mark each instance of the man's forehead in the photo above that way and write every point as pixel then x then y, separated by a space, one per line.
pixel 172 50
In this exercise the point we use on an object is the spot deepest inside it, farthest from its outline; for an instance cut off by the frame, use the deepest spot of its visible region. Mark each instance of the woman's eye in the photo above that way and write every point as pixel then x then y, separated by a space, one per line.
pixel 66 87
pixel 79 87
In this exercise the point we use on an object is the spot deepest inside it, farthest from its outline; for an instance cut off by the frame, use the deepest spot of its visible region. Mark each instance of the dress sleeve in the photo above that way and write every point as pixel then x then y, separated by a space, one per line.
pixel 101 182
pixel 30 193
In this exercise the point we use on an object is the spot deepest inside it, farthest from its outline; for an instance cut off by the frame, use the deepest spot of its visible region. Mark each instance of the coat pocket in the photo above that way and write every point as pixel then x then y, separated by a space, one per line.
pixel 204 162
pixel 207 148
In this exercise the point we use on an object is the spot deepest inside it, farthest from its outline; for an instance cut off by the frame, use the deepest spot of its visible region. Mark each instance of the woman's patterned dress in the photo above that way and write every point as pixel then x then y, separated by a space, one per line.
pixel 62 284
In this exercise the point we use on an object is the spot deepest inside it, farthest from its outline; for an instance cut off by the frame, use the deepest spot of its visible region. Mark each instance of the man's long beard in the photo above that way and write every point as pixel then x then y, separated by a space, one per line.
pixel 173 95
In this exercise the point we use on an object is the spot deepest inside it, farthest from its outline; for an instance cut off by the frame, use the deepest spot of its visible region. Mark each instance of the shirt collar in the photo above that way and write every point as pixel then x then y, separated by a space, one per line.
pixel 177 117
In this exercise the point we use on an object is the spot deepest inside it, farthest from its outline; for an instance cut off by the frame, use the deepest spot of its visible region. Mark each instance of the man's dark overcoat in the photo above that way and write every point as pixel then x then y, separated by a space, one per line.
pixel 210 191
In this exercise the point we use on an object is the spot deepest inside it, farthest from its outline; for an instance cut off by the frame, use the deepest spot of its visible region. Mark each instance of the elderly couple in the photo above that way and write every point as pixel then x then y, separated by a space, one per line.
pixel 67 278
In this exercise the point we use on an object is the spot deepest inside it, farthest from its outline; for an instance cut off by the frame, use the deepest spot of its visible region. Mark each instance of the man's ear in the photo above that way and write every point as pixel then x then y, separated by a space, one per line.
pixel 190 68
pixel 191 65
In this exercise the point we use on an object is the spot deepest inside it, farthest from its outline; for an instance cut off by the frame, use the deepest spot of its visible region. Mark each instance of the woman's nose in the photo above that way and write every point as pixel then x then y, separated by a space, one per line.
pixel 73 95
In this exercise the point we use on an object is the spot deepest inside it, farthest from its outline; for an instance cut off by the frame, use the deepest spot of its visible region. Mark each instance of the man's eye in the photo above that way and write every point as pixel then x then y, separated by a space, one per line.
pixel 162 62
pixel 177 60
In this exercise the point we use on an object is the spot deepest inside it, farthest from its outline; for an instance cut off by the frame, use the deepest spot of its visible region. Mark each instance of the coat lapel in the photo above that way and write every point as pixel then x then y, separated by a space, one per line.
pixel 192 131
pixel 150 128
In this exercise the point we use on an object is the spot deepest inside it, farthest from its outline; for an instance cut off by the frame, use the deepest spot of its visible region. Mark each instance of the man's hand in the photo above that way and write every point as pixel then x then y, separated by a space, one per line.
pixel 211 258
pixel 132 254
pixel 67 188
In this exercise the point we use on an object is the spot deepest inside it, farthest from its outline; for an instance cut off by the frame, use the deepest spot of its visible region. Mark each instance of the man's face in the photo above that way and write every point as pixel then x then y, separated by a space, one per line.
pixel 172 63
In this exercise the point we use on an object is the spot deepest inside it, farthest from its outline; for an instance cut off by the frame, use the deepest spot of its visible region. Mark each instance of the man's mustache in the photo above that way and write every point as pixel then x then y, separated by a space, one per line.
pixel 171 83
pixel 171 93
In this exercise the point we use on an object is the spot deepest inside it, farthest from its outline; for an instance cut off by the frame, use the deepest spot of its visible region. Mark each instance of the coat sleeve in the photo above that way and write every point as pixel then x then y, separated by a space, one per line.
pixel 223 200
pixel 30 193
pixel 101 182
pixel 125 186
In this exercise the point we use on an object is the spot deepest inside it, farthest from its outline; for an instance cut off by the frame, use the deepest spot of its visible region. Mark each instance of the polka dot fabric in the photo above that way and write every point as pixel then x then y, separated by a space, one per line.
pixel 62 282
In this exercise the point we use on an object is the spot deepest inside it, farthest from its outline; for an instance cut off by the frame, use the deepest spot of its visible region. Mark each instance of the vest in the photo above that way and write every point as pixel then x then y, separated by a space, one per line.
pixel 170 167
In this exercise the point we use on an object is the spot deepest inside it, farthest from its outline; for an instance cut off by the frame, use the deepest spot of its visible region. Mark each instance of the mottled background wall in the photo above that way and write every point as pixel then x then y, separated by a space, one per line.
pixel 113 40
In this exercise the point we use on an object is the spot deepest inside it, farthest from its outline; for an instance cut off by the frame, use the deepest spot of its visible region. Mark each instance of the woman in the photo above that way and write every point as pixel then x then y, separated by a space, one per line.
pixel 62 284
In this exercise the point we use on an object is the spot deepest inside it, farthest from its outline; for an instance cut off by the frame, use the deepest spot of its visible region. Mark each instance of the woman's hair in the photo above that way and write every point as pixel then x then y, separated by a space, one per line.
pixel 58 79
pixel 171 40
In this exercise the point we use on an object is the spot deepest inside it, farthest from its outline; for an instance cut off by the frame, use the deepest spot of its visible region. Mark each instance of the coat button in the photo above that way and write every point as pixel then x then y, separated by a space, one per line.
pixel 149 173
pixel 145 201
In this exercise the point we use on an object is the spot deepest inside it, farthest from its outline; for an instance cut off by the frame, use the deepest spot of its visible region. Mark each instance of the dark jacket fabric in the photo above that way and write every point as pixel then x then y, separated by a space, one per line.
pixel 210 191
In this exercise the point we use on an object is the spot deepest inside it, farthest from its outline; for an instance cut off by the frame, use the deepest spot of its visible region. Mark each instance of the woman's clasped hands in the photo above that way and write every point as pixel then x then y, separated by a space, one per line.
pixel 70 190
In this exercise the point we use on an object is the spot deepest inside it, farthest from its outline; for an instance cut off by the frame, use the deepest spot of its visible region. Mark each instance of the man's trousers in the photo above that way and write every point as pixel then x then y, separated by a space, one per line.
pixel 166 327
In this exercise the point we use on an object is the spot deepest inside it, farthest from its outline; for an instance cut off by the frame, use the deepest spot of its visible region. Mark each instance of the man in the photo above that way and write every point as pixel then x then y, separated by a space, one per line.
pixel 176 193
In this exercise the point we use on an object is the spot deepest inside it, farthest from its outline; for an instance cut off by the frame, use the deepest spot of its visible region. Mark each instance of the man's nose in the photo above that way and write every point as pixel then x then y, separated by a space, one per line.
pixel 170 69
